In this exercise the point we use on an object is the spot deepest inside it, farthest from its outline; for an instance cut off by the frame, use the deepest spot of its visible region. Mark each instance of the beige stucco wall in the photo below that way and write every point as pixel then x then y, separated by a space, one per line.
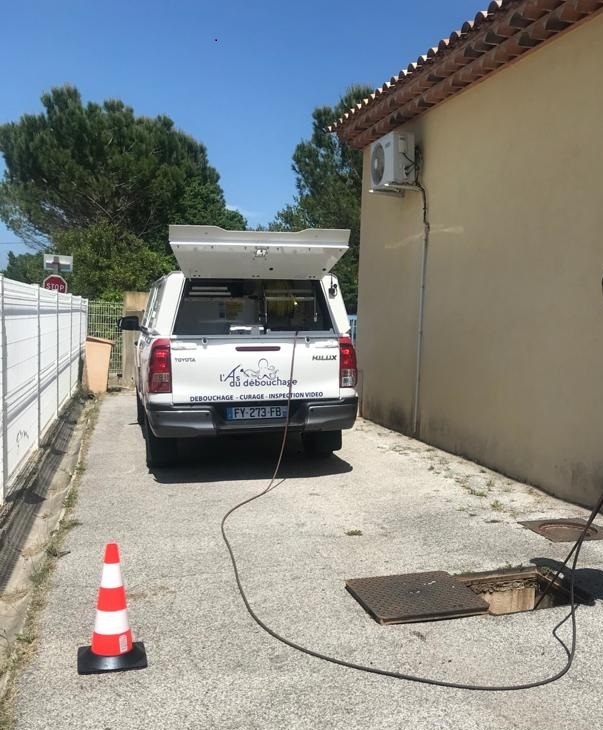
pixel 512 368
pixel 134 303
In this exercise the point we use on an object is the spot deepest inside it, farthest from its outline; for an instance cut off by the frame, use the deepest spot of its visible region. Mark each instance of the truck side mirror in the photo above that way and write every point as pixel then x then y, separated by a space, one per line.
pixel 129 323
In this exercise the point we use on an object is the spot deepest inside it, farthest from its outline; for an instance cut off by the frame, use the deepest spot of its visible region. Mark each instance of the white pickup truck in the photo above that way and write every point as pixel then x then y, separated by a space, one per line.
pixel 251 334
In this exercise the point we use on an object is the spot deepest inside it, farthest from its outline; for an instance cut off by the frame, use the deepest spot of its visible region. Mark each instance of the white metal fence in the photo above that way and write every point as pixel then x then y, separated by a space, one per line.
pixel 43 336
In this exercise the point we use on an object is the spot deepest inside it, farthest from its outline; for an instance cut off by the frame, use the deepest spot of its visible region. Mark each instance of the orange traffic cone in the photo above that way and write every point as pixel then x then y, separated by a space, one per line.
pixel 112 648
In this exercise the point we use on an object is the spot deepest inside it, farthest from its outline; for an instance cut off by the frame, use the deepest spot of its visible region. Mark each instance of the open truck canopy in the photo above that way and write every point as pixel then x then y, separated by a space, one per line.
pixel 210 252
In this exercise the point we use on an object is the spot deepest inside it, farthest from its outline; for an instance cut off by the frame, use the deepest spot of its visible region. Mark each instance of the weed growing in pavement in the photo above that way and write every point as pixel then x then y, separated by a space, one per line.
pixel 496 505
pixel 353 533
pixel 69 524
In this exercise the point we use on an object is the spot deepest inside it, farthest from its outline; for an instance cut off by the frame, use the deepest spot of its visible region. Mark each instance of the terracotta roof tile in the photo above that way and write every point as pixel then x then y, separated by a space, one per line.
pixel 507 29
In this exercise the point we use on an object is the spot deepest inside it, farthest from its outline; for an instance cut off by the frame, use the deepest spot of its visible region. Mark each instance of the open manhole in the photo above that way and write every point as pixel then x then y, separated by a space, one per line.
pixel 436 595
pixel 564 530
pixel 520 589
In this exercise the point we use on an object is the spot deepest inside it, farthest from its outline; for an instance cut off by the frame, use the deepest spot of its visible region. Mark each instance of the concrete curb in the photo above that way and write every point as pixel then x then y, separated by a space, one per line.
pixel 31 515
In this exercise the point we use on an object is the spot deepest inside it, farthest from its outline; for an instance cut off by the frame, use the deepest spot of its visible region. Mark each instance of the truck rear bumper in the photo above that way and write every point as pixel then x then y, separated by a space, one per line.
pixel 208 420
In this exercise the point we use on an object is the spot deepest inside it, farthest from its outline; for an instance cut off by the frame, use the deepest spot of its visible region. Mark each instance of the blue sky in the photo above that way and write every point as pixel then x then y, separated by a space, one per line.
pixel 241 77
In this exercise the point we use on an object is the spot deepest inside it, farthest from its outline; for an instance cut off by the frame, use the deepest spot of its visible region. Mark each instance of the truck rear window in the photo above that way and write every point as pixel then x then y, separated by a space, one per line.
pixel 251 306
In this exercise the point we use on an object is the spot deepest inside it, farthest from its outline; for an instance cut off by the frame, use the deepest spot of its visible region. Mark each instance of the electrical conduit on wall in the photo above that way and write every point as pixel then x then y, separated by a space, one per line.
pixel 416 422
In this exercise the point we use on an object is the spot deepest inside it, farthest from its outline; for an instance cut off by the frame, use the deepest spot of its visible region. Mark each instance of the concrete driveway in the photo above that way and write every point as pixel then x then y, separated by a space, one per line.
pixel 384 505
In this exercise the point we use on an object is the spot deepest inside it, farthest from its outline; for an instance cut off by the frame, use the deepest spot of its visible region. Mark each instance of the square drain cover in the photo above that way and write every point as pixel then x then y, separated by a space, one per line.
pixel 564 530
pixel 396 599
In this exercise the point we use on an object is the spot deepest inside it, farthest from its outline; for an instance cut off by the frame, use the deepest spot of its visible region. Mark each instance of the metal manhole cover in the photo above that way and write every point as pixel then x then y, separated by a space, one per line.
pixel 395 599
pixel 564 530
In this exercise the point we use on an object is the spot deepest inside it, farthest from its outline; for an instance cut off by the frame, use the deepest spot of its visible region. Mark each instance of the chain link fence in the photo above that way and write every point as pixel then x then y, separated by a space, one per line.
pixel 353 323
pixel 102 322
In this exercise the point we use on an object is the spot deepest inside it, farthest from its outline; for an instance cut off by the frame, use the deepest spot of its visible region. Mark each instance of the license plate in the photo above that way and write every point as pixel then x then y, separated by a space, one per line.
pixel 241 413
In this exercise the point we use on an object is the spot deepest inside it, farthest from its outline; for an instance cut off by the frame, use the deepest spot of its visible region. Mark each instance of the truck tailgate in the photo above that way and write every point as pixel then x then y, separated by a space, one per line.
pixel 235 369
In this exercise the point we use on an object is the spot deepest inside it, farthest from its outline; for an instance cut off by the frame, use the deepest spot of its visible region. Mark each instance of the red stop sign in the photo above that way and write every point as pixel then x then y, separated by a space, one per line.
pixel 54 282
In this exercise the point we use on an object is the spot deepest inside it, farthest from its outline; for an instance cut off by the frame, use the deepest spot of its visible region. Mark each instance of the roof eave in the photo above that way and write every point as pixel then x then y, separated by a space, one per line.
pixel 493 40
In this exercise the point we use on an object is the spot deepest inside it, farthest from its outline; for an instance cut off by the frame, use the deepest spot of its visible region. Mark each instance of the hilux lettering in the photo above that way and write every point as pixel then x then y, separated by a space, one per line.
pixel 324 357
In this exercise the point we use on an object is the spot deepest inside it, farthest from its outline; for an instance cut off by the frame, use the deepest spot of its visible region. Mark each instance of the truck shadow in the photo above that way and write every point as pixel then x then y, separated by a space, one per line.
pixel 236 458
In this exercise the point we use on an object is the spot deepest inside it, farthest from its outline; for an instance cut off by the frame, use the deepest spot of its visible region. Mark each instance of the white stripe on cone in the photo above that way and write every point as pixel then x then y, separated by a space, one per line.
pixel 111 577
pixel 109 623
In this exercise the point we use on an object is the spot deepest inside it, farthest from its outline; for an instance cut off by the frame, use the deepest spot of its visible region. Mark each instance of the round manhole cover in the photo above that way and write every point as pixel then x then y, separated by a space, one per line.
pixel 566 531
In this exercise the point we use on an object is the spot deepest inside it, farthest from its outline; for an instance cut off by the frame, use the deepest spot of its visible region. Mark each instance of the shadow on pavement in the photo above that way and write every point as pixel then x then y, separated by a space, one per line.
pixel 236 458
pixel 24 502
pixel 589 579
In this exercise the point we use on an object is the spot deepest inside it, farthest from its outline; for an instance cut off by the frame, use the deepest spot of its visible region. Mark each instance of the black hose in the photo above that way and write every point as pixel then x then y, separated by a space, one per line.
pixel 575 551
pixel 579 541
pixel 399 675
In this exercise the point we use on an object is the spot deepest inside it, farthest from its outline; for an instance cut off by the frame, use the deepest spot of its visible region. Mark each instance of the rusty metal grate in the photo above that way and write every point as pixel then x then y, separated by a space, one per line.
pixel 395 599
pixel 564 530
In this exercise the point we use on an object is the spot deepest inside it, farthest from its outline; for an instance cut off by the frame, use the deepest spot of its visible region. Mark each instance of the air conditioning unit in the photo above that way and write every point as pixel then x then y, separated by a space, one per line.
pixel 393 161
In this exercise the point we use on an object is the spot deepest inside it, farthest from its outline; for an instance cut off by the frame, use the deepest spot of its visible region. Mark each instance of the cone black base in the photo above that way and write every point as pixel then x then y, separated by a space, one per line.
pixel 89 663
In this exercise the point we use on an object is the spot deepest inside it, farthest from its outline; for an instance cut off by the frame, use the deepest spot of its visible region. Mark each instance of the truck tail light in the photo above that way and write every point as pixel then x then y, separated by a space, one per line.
pixel 348 372
pixel 160 367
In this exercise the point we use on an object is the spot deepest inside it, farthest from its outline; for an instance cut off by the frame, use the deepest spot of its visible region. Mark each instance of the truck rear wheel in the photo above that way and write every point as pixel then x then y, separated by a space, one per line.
pixel 321 443
pixel 159 452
